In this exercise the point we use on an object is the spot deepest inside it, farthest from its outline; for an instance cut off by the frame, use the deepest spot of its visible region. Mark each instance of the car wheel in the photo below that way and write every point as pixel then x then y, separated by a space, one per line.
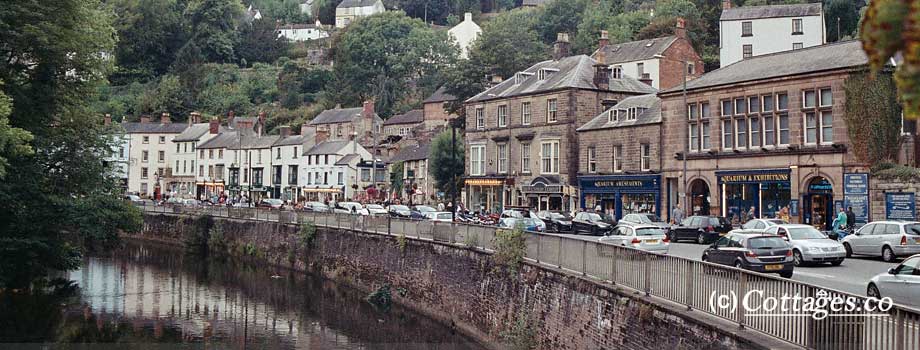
pixel 785 274
pixel 739 265
pixel 836 263
pixel 700 239
pixel 873 292
pixel 846 246
pixel 797 258
pixel 888 254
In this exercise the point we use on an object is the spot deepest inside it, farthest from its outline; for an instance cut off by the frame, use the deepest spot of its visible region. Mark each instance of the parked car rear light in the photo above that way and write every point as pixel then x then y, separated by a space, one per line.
pixel 636 241
pixel 903 240
pixel 710 229
pixel 789 252
pixel 666 239
pixel 750 254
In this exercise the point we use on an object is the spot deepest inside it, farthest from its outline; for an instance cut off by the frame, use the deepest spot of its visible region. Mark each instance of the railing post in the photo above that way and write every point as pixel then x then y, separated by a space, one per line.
pixel 689 282
pixel 742 289
pixel 648 274
pixel 899 330
pixel 559 254
pixel 389 225
pixel 584 258
pixel 613 263
pixel 539 245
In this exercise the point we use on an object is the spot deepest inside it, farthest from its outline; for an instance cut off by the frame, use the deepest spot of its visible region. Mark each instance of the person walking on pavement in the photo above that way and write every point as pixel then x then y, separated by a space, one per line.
pixel 677 215
pixel 839 224
pixel 751 214
pixel 851 219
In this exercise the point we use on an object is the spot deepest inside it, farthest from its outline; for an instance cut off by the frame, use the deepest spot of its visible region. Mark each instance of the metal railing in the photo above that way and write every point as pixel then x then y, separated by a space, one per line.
pixel 697 285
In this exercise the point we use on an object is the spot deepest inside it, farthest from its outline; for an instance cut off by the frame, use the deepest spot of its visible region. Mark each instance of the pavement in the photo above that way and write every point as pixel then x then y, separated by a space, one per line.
pixel 852 276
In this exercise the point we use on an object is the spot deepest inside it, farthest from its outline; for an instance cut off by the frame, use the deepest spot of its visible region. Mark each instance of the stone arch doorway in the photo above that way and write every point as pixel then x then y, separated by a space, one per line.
pixel 699 197
pixel 818 203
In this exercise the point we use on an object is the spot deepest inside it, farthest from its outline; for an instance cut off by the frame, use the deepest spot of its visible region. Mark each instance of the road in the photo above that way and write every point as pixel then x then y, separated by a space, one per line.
pixel 852 276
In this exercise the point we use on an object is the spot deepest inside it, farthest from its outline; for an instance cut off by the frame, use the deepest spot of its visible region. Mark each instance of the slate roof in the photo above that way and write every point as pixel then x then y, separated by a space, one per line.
pixel 771 11
pixel 411 117
pixel 225 139
pixel 154 128
pixel 356 3
pixel 346 159
pixel 652 114
pixel 252 141
pixel 573 72
pixel 637 50
pixel 326 147
pixel 440 95
pixel 193 132
pixel 413 152
pixel 292 140
pixel 813 59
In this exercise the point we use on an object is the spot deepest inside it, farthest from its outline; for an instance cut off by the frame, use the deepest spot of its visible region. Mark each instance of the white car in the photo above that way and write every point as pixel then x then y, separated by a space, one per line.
pixel 888 239
pixel 809 245
pixel 375 209
pixel 442 216
pixel 651 238
pixel 901 283
pixel 351 208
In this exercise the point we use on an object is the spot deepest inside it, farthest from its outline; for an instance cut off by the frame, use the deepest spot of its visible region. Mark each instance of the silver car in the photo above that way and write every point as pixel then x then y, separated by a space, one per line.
pixel 762 224
pixel 645 237
pixel 888 239
pixel 810 245
pixel 901 283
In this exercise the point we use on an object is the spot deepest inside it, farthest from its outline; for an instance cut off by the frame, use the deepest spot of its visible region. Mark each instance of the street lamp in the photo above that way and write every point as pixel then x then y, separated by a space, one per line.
pixel 687 142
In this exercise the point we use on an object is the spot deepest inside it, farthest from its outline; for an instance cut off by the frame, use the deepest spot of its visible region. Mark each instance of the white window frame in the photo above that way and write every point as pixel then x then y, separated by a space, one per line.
pixel 820 97
pixel 728 138
pixel 617 157
pixel 525 158
pixel 480 118
pixel 705 140
pixel 592 159
pixel 804 92
pixel 801 26
pixel 738 132
pixel 617 72
pixel 526 113
pixel 645 157
pixel 552 114
pixel 765 137
pixel 750 28
pixel 552 167
pixel 477 159
pixel 805 128
pixel 502 115
pixel 822 126
pixel 501 151
pixel 751 123
pixel 780 130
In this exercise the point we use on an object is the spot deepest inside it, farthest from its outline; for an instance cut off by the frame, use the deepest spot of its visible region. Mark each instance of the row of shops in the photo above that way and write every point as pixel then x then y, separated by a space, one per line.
pixel 731 195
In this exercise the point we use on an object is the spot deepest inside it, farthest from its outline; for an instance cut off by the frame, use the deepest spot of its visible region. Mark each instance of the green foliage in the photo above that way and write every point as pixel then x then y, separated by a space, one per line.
pixel 288 11
pixel 401 242
pixel 889 27
pixel 299 83
pixel 507 33
pixel 307 235
pixel 381 298
pixel 893 171
pixel 447 163
pixel 510 248
pixel 150 33
pixel 259 42
pixel 522 335
pixel 14 141
pixel 396 176
pixel 848 14
pixel 214 31
pixel 873 117
pixel 377 58
pixel 559 17
pixel 217 242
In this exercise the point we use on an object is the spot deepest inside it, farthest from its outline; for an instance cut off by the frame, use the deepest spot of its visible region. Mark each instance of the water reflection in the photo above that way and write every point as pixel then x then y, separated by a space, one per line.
pixel 153 294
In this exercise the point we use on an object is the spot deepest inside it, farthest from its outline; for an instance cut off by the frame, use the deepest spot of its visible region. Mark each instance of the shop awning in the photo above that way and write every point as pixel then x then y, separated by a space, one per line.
pixel 484 182
pixel 209 183
pixel 322 190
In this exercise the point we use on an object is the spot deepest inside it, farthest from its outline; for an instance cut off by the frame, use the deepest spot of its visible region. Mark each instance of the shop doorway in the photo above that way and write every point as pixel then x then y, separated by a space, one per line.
pixel 699 197
pixel 818 203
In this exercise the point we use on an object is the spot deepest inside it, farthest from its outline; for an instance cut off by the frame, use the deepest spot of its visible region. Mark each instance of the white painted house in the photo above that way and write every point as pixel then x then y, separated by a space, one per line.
pixel 350 10
pixel 330 170
pixel 303 32
pixel 184 177
pixel 118 160
pixel 287 156
pixel 759 30
pixel 464 33
pixel 150 153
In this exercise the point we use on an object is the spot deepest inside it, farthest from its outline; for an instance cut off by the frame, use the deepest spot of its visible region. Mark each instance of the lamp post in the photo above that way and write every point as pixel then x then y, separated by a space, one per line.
pixel 687 142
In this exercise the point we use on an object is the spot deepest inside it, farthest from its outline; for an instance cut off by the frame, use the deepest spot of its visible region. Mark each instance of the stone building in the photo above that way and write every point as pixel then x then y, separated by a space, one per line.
pixel 620 158
pixel 521 147
pixel 766 132
pixel 343 123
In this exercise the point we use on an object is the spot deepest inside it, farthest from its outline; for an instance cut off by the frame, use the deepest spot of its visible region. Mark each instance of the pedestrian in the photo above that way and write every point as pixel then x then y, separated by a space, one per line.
pixel 677 215
pixel 597 208
pixel 851 218
pixel 440 206
pixel 784 214
pixel 751 214
pixel 840 224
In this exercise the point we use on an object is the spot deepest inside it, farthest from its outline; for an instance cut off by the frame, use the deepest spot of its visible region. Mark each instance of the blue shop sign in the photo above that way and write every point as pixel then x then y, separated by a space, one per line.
pixel 856 184
pixel 619 183
pixel 900 206
pixel 856 195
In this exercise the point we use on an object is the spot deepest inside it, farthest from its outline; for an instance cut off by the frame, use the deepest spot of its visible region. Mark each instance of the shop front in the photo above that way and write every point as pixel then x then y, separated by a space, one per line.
pixel 209 190
pixel 485 194
pixel 620 195
pixel 323 194
pixel 766 190
pixel 818 203
pixel 548 193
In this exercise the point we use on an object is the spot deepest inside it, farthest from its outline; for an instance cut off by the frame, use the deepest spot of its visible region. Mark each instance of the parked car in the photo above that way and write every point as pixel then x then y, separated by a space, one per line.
pixel 236 205
pixel 646 237
pixel 375 209
pixel 137 200
pixel 350 208
pixel 901 283
pixel 270 203
pixel 316 206
pixel 701 229
pixel 441 216
pixel 556 221
pixel 888 239
pixel 528 224
pixel 590 223
pixel 401 211
pixel 762 224
pixel 810 245
pixel 509 213
pixel 642 219
pixel 755 252
pixel 424 209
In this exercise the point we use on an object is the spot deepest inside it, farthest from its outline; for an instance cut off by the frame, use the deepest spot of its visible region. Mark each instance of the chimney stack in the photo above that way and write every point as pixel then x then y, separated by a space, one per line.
pixel 285 131
pixel 164 118
pixel 561 47
pixel 494 80
pixel 214 126
pixel 107 120
pixel 321 136
pixel 646 79
pixel 602 71
pixel 603 41
pixel 304 128
pixel 368 111
pixel 468 17
pixel 680 30
pixel 726 4
pixel 194 118
pixel 230 118
pixel 145 119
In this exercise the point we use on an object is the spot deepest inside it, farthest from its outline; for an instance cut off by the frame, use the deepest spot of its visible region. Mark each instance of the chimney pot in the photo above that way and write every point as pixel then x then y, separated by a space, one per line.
pixel 561 47
pixel 164 118
pixel 214 126
pixel 145 119
pixel 726 4
pixel 230 119
pixel 285 131
pixel 680 30
pixel 368 111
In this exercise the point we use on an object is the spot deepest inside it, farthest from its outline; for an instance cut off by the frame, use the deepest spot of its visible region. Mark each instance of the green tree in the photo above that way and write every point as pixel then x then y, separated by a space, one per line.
pixel 888 28
pixel 149 32
pixel 847 12
pixel 447 163
pixel 213 26
pixel 59 195
pixel 259 42
pixel 873 117
pixel 324 10
pixel 381 57
pixel 299 83
pixel 14 142
pixel 509 44
pixel 396 177
pixel 559 17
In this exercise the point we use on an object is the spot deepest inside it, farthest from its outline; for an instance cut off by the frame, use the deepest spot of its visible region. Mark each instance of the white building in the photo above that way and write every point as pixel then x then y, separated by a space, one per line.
pixel 418 183
pixel 184 177
pixel 217 172
pixel 350 10
pixel 330 170
pixel 287 156
pixel 118 160
pixel 150 153
pixel 306 7
pixel 303 32
pixel 464 33
pixel 759 30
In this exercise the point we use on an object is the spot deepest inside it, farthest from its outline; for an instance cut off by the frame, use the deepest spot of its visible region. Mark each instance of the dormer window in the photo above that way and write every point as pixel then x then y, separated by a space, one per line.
pixel 617 72
pixel 519 77
pixel 544 73
pixel 621 114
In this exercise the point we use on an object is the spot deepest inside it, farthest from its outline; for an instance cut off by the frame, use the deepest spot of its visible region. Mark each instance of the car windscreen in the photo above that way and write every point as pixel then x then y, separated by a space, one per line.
pixel 649 231
pixel 773 222
pixel 766 243
pixel 719 221
pixel 593 217
pixel 398 208
pixel 651 218
pixel 557 216
pixel 424 209
pixel 805 233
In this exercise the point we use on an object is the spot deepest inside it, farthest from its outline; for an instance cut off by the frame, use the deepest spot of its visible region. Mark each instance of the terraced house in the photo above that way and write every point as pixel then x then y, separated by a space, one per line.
pixel 521 145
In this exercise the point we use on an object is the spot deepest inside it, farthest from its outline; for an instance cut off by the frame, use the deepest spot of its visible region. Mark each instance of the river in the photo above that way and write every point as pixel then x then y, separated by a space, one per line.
pixel 147 294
